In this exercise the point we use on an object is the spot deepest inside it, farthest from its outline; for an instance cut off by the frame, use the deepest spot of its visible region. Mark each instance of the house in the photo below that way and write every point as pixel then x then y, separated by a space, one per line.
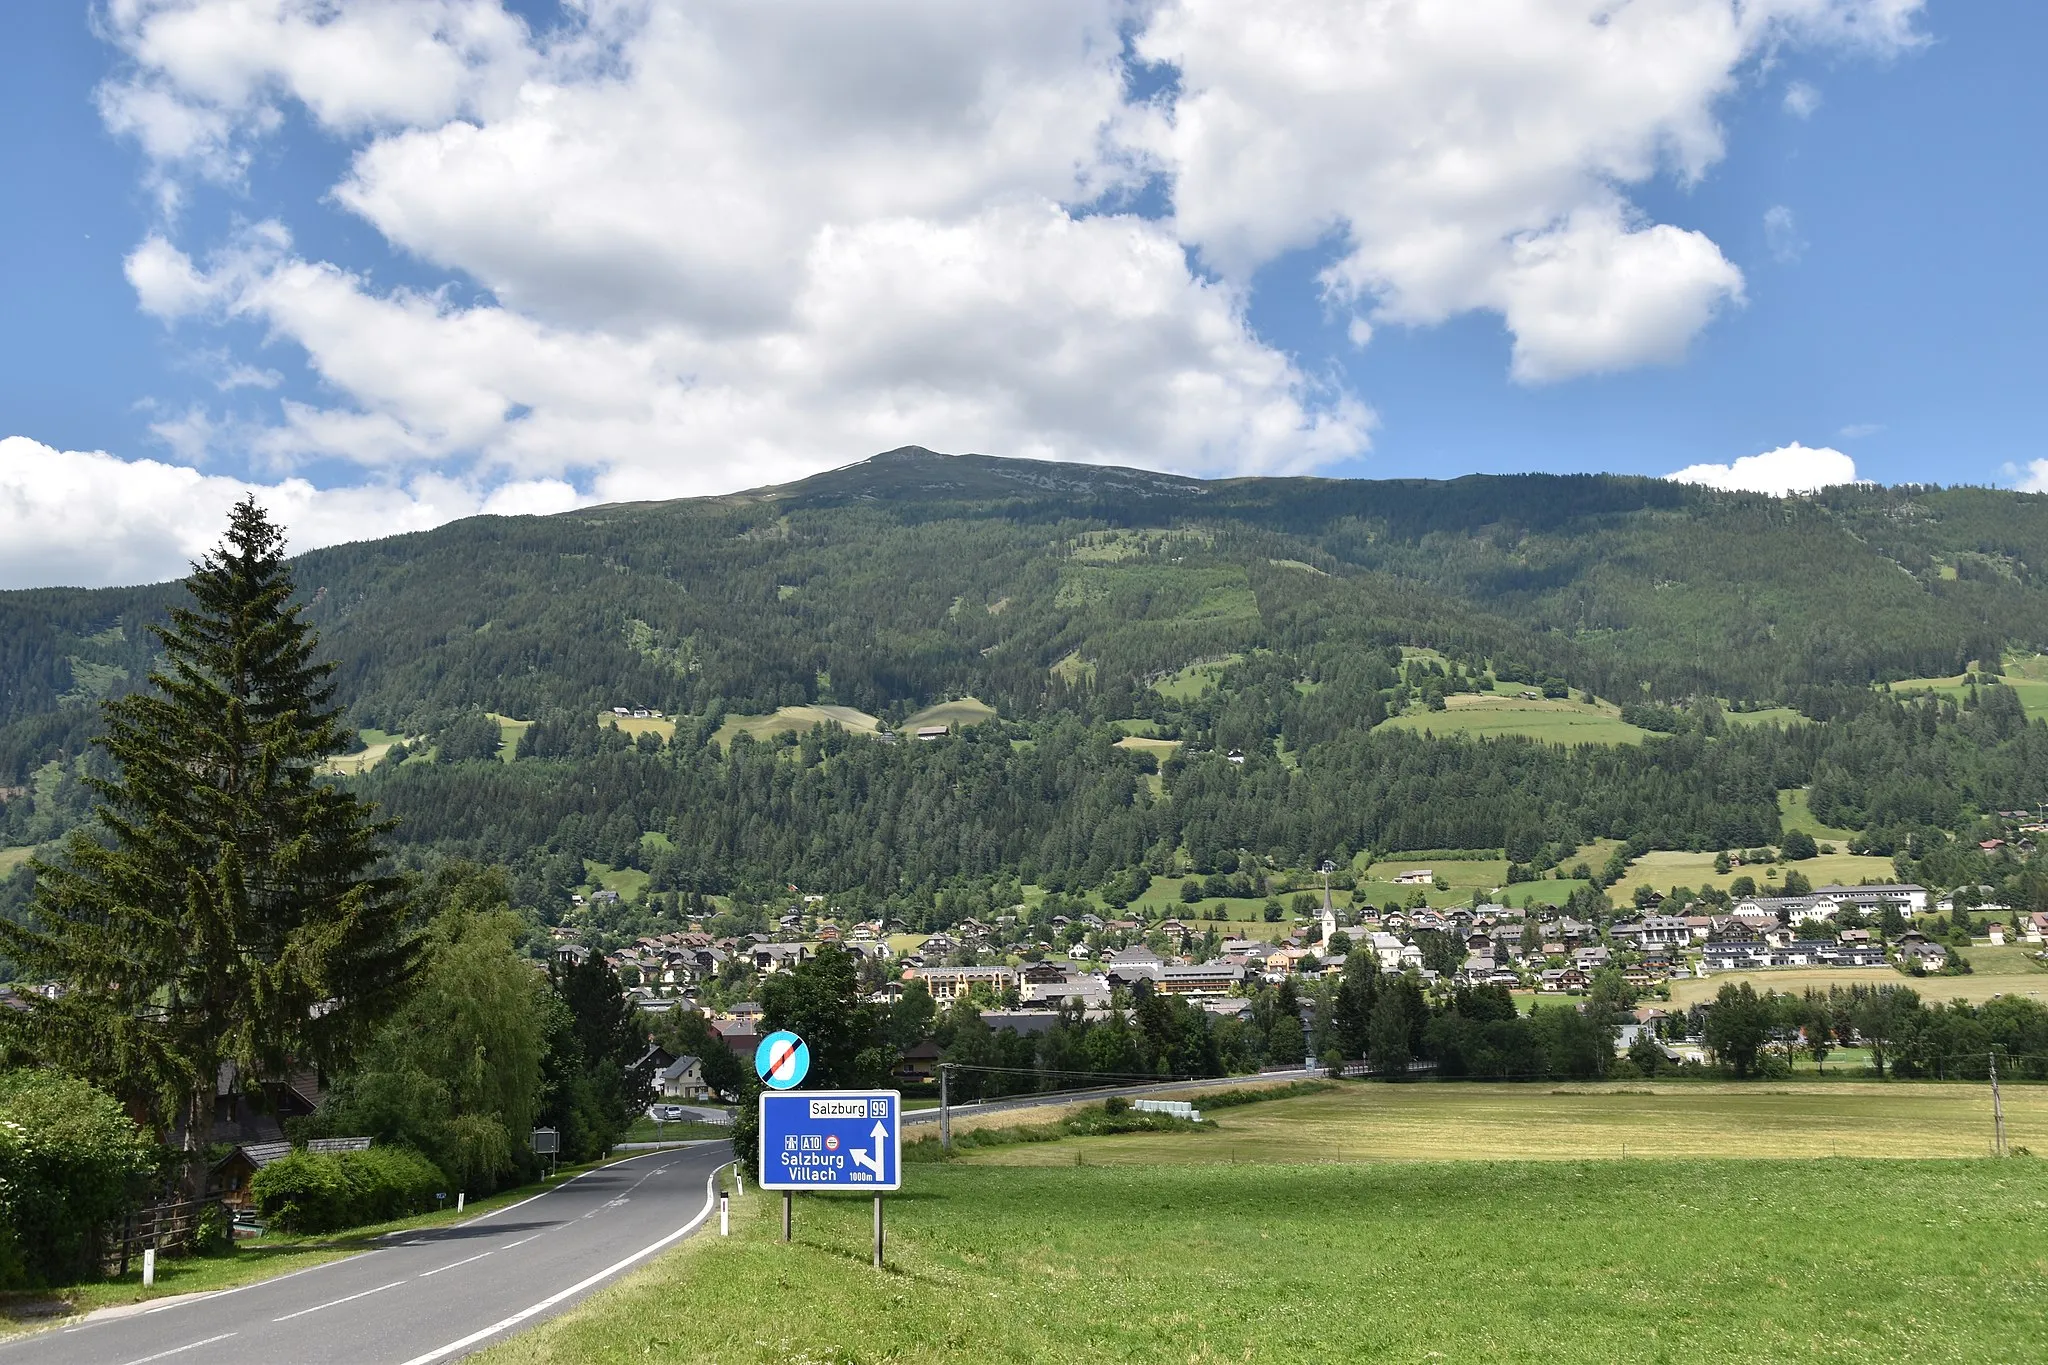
pixel 233 1174
pixel 919 1062
pixel 1592 959
pixel 1235 756
pixel 1421 876
pixel 683 1079
pixel 1926 952
pixel 932 732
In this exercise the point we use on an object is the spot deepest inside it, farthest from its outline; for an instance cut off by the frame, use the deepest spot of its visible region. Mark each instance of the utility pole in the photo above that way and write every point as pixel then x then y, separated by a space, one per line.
pixel 945 1109
pixel 1997 1111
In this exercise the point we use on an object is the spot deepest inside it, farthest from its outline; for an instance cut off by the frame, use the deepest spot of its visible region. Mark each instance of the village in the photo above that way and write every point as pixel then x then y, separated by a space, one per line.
pixel 1021 971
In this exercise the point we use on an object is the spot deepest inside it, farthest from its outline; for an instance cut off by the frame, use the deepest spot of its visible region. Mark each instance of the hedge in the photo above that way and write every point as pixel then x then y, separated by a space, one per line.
pixel 326 1191
pixel 72 1164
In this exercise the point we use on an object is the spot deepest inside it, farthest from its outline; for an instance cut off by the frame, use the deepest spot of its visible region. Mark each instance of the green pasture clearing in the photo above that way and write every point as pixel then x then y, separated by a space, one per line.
pixel 629 882
pixel 644 725
pixel 967 711
pixel 377 743
pixel 1489 873
pixel 1554 722
pixel 1793 813
pixel 11 858
pixel 2026 675
pixel 1635 1261
pixel 1197 678
pixel 1664 869
pixel 1775 715
pixel 1073 668
pixel 798 719
pixel 1161 749
pixel 1536 1121
pixel 511 731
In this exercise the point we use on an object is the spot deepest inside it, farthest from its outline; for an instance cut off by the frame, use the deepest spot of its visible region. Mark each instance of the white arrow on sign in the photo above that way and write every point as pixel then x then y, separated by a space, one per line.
pixel 873 1163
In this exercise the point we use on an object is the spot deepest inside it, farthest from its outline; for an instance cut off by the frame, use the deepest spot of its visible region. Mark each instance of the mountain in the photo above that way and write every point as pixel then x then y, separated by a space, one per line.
pixel 1284 618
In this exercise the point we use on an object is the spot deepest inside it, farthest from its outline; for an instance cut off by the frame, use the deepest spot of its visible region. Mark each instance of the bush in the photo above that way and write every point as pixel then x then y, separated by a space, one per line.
pixel 326 1191
pixel 71 1165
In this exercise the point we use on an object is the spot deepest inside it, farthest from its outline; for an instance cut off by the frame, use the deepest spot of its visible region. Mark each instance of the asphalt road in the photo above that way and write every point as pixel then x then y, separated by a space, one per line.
pixel 423 1296
pixel 913 1117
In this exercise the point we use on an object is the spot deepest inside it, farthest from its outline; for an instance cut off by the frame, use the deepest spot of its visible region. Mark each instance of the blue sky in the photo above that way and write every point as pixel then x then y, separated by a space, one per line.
pixel 271 253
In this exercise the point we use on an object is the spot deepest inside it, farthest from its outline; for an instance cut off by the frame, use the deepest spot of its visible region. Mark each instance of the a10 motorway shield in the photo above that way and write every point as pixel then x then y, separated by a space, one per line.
pixel 832 1140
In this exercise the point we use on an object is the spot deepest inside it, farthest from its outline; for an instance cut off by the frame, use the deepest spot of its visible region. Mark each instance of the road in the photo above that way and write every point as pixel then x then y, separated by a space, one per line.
pixel 913 1117
pixel 424 1296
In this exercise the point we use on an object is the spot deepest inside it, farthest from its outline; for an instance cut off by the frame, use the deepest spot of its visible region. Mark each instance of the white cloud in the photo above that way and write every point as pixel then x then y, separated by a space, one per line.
pixel 1788 469
pixel 1801 99
pixel 2032 478
pixel 88 519
pixel 1470 156
pixel 730 243
pixel 1781 234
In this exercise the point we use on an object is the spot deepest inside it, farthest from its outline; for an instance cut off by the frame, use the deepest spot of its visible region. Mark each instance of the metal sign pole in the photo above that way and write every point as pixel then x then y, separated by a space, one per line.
pixel 945 1109
pixel 878 1232
pixel 785 1215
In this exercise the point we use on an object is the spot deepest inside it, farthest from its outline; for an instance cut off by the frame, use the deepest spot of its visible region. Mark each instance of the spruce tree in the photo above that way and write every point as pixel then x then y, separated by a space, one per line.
pixel 227 906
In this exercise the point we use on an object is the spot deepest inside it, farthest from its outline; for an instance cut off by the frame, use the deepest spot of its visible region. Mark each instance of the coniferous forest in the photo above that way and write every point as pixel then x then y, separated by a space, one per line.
pixel 1263 629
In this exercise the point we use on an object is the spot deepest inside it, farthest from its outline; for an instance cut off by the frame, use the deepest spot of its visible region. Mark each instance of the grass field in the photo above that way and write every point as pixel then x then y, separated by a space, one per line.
pixel 1548 1121
pixel 11 858
pixel 2026 675
pixel 796 718
pixel 644 725
pixel 1794 814
pixel 1460 874
pixel 1995 971
pixel 965 712
pixel 1192 681
pixel 1485 716
pixel 377 743
pixel 1776 715
pixel 1664 870
pixel 1623 1261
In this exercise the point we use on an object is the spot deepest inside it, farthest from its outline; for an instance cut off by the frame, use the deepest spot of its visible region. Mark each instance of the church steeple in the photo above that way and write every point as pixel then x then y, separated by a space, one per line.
pixel 1329 910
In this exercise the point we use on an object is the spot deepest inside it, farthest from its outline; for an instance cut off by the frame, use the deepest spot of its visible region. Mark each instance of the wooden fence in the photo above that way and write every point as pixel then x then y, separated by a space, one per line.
pixel 172 1226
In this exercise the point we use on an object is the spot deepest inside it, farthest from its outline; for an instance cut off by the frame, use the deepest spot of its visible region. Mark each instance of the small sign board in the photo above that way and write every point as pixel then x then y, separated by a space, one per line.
pixel 832 1140
pixel 547 1141
pixel 782 1061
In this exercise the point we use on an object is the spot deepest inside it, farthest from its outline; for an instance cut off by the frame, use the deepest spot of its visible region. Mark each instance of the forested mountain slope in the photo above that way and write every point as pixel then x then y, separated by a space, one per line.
pixel 1066 597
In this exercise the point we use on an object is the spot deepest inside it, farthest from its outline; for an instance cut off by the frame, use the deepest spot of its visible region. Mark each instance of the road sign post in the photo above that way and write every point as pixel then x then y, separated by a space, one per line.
pixel 832 1140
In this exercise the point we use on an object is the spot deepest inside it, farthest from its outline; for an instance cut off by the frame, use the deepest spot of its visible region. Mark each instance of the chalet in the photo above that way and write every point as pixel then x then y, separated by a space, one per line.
pixel 683 1079
pixel 919 1062
pixel 233 1174
pixel 1421 876
pixel 928 733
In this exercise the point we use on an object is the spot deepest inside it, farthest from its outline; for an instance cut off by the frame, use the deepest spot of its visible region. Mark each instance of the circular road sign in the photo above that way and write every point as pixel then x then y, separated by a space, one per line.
pixel 782 1060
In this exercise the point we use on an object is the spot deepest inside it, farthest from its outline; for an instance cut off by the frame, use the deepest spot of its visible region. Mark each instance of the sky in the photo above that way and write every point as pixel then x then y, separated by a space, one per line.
pixel 392 262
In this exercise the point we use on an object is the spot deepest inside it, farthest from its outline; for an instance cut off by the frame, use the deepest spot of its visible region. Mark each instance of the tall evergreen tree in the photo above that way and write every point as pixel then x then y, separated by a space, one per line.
pixel 227 908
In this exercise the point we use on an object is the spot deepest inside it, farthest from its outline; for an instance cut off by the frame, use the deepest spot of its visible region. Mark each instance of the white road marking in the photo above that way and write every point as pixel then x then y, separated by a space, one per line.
pixel 521 1242
pixel 335 1302
pixel 180 1350
pixel 451 1265
pixel 464 1343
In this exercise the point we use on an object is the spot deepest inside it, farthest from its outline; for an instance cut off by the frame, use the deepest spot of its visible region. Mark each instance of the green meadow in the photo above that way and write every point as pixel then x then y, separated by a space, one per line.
pixel 1656 1260
pixel 965 712
pixel 1487 716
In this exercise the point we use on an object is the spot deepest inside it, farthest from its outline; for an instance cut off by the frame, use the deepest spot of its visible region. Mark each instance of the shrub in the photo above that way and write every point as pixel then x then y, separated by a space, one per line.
pixel 71 1165
pixel 325 1191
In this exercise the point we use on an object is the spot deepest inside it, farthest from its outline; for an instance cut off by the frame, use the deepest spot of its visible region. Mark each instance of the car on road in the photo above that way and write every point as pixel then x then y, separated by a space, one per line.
pixel 665 1113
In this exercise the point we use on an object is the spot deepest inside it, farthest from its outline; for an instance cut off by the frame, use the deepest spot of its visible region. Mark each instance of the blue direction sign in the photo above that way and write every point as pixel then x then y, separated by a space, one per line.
pixel 832 1139
pixel 782 1060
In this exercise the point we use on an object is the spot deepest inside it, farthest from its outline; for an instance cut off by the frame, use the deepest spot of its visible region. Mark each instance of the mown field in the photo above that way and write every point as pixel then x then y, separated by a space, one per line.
pixel 1548 1121
pixel 1664 870
pixel 2026 675
pixel 964 712
pixel 1612 1261
pixel 11 858
pixel 1481 715
pixel 2005 970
